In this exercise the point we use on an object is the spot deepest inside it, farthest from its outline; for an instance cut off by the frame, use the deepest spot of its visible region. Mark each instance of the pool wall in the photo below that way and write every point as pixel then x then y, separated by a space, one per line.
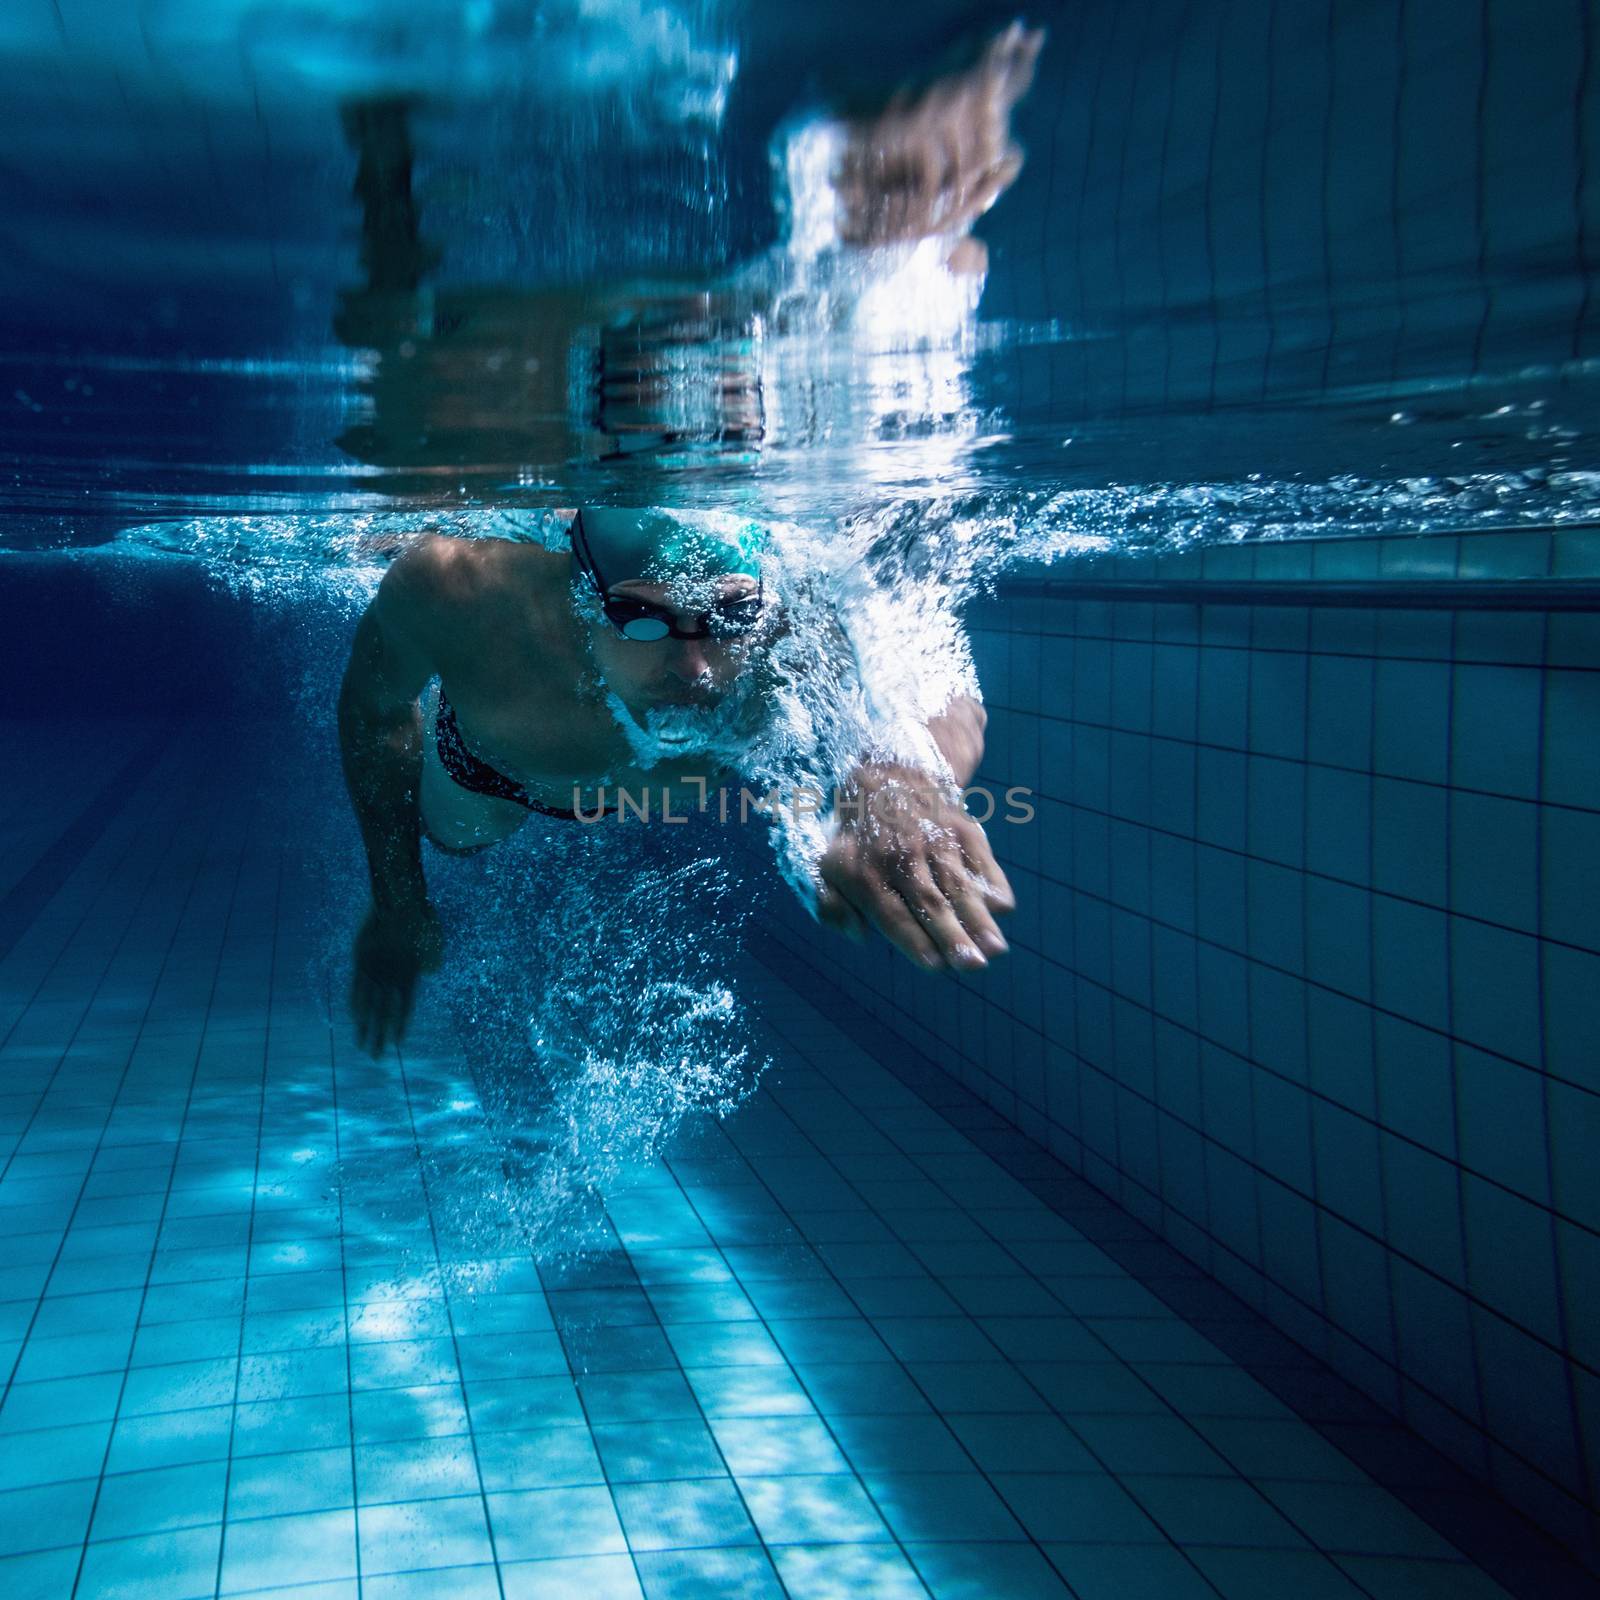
pixel 1240 199
pixel 1306 964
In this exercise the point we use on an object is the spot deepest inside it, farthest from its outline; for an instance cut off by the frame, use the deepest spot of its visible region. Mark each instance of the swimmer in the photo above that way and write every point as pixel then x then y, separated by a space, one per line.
pixel 562 674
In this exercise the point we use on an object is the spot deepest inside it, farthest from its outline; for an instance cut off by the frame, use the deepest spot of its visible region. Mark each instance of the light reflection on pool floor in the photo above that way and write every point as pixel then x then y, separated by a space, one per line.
pixel 827 1347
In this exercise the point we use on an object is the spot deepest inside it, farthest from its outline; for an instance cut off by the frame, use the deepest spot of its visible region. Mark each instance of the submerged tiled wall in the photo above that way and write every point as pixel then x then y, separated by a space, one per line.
pixel 1306 965
pixel 1237 199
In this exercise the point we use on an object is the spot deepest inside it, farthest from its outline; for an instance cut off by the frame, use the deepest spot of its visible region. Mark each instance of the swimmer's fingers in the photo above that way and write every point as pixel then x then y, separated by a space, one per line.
pixel 1009 63
pixel 364 1012
pixel 964 889
pixel 934 910
pixel 980 859
pixel 381 1008
pixel 876 902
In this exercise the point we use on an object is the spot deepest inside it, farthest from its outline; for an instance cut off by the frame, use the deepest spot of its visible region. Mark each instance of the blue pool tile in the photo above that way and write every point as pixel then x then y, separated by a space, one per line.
pixel 1258 1445
pixel 847 1572
pixel 275 1551
pixel 180 1565
pixel 730 1574
pixel 203 1339
pixel 1394 1578
pixel 812 1510
pixel 289 1374
pixel 414 1469
pixel 405 1363
pixel 300 1481
pixel 60 1402
pixel 422 1534
pixel 1495 729
pixel 72 1356
pixel 37 1519
pixel 52 1455
pixel 829 1339
pixel 1122 1571
pixel 571 1578
pixel 636 1396
pixel 1502 1122
pixel 771 1446
pixel 309 1422
pixel 1125 1444
pixel 1356 1519
pixel 661 1451
pixel 753 1391
pixel 542 1458
pixel 723 1344
pixel 170 1439
pixel 1511 1257
pixel 500 1313
pixel 181 1387
pixel 937 1507
pixel 45 1575
pixel 682 1515
pixel 1494 985
pixel 422 1412
pixel 158 1500
pixel 1266 1574
pixel 913 1339
pixel 1016 1444
pixel 458 1583
pixel 953 1387
pixel 1075 1506
pixel 535 1523
pixel 506 1404
pixel 918 1442
pixel 715 1302
pixel 1212 1511
pixel 982 1571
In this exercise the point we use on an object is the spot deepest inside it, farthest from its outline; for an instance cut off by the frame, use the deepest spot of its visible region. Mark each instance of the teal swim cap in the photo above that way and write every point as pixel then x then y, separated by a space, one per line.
pixel 614 544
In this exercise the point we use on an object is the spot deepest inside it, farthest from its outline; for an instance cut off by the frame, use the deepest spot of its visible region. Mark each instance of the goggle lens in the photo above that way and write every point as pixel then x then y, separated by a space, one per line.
pixel 645 624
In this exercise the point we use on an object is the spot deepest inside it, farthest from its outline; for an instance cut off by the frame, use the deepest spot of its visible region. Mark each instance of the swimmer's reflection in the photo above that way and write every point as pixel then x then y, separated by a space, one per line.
pixel 648 657
pixel 512 381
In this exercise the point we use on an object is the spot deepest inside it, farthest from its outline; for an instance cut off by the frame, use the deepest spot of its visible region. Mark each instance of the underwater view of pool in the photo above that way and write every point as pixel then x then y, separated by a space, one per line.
pixel 799 801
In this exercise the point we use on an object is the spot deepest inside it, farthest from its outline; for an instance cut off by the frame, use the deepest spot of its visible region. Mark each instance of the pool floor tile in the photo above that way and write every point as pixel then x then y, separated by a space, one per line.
pixel 688 1514
pixel 965 1571
pixel 847 1572
pixel 571 1578
pixel 180 1565
pixel 273 1316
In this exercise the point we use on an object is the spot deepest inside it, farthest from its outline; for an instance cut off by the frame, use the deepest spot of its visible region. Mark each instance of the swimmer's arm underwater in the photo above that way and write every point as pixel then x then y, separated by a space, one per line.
pixel 380 742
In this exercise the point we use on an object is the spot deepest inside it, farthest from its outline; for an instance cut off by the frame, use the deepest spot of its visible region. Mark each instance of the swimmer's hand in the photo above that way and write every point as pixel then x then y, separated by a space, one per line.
pixel 395 947
pixel 932 163
pixel 917 868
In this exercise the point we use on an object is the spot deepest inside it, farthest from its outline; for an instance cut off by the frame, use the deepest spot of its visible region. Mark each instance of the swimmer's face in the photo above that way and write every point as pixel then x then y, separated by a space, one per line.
pixel 652 674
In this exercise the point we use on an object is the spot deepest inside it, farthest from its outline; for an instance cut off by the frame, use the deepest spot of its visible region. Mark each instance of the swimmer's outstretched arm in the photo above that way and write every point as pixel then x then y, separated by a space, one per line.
pixel 380 742
pixel 914 866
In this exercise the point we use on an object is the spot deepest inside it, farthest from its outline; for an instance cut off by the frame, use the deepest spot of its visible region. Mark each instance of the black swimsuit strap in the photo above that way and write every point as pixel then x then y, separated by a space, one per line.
pixel 477 775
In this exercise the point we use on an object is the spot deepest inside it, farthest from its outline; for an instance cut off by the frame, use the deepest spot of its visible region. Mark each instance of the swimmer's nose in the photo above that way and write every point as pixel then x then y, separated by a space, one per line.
pixel 688 660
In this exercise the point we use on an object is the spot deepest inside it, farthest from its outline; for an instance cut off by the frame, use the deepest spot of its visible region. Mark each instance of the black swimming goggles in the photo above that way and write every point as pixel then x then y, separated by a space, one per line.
pixel 645 623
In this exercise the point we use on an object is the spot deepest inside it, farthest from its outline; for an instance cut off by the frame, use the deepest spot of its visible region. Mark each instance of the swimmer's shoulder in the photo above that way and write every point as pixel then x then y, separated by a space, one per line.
pixel 449 590
pixel 444 571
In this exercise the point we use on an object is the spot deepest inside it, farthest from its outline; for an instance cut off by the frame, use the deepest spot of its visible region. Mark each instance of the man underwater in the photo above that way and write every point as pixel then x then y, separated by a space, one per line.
pixel 637 659
pixel 632 663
